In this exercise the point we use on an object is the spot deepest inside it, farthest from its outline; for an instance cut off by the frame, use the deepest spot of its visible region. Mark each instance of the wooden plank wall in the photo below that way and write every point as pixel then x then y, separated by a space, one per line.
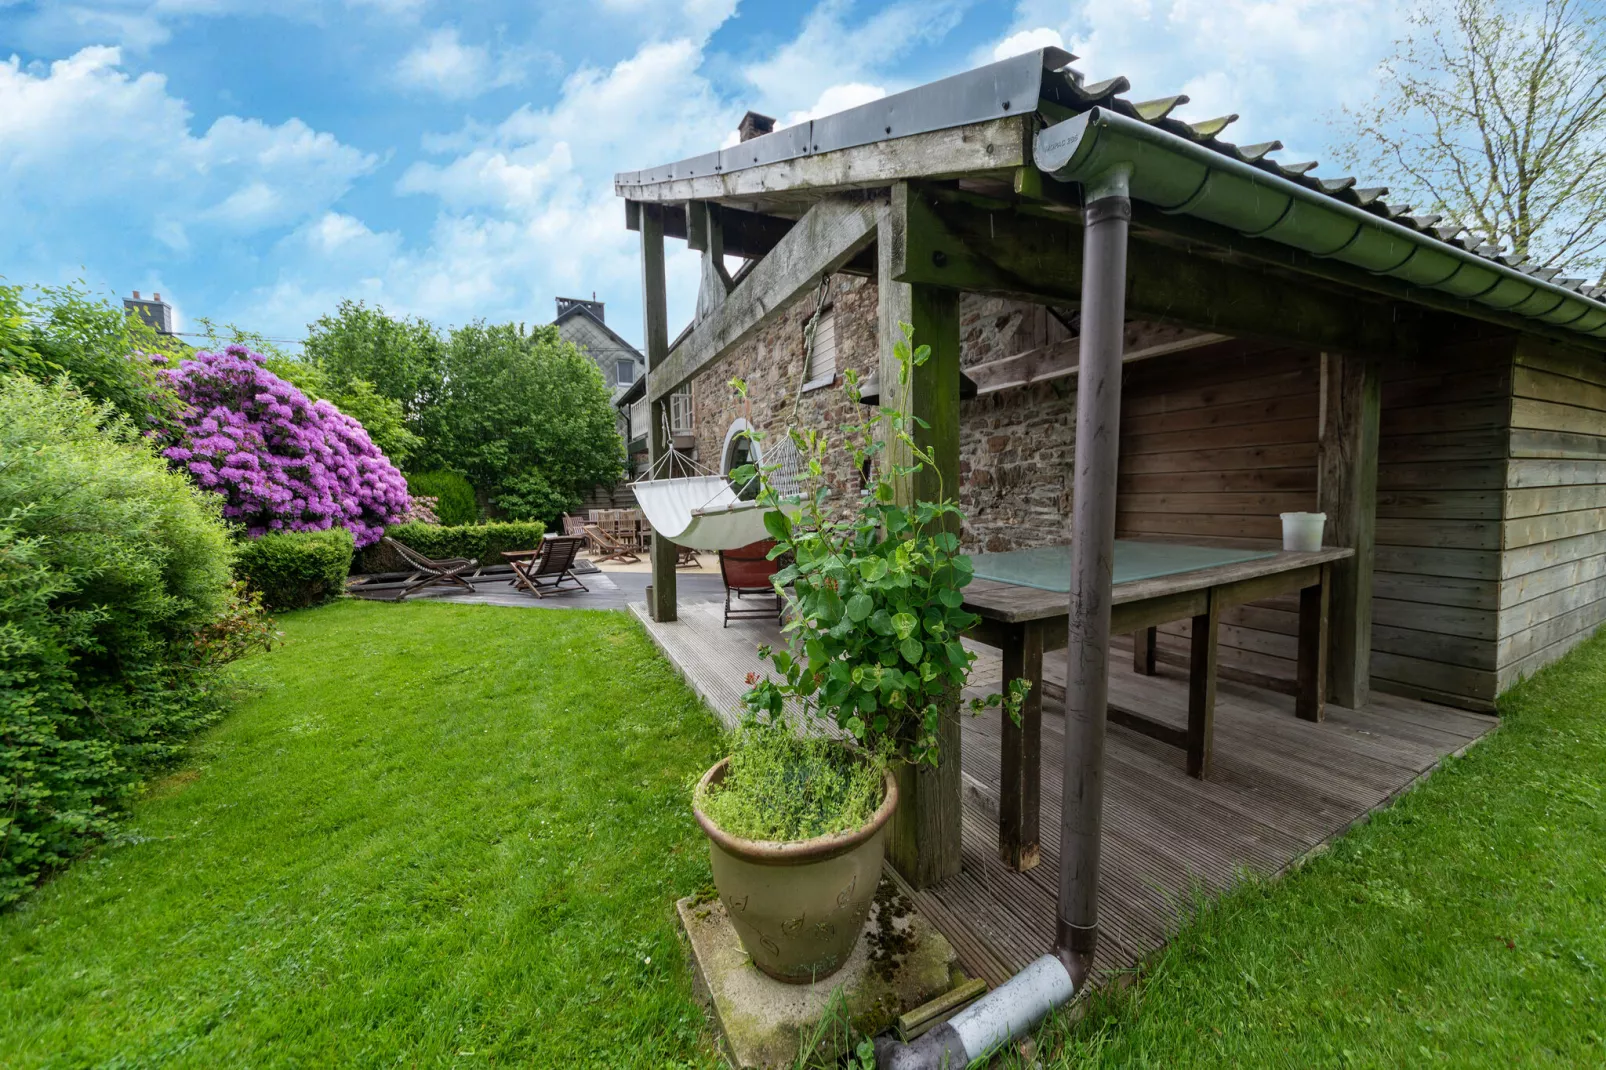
pixel 1441 472
pixel 1214 444
pixel 1553 569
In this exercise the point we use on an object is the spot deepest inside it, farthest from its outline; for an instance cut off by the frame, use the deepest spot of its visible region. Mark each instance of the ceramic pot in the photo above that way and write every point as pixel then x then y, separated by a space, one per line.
pixel 798 907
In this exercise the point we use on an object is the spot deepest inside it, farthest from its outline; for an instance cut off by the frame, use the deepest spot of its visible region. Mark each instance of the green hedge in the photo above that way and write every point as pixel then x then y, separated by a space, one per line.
pixel 454 498
pixel 483 542
pixel 294 569
pixel 110 564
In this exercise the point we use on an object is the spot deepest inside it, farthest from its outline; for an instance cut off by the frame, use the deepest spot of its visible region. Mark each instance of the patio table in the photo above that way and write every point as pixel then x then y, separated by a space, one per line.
pixel 1021 597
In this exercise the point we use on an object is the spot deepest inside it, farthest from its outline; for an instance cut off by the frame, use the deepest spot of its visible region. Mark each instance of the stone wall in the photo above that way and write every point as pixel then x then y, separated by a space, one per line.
pixel 1015 446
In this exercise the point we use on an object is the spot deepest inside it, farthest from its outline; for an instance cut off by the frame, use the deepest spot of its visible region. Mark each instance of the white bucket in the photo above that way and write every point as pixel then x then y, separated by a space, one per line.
pixel 1303 531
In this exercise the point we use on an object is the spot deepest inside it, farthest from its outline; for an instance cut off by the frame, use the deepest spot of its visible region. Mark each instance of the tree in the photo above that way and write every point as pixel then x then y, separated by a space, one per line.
pixel 400 358
pixel 1493 112
pixel 525 416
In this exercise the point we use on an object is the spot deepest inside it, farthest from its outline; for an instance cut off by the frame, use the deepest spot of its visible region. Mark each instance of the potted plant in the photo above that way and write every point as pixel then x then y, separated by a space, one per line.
pixel 797 816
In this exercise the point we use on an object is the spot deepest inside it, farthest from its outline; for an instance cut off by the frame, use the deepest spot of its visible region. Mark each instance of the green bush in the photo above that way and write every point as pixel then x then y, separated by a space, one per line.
pixel 483 542
pixel 110 566
pixel 295 569
pixel 782 787
pixel 454 498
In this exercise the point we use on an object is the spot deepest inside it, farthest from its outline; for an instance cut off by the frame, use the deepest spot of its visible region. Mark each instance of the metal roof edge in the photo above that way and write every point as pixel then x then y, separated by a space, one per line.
pixel 1008 87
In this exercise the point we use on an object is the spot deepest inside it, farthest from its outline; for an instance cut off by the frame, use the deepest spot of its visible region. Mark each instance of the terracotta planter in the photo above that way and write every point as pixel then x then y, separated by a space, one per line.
pixel 799 906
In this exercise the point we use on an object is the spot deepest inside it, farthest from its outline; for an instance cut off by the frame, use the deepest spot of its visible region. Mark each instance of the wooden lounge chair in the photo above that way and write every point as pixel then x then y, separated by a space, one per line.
pixel 549 570
pixel 608 547
pixel 747 572
pixel 428 572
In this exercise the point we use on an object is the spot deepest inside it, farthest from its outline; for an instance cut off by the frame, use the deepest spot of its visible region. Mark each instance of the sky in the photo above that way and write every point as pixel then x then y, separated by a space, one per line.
pixel 257 162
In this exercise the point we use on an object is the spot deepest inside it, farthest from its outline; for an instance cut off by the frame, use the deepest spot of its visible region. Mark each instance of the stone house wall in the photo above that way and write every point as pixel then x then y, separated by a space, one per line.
pixel 1015 446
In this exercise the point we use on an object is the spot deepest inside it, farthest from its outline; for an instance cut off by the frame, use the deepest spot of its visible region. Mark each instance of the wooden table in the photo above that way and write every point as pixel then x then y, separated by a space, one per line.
pixel 1025 622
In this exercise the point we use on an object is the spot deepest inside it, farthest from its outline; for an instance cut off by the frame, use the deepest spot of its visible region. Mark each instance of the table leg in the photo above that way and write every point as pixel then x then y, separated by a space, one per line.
pixel 1202 689
pixel 1144 644
pixel 1311 703
pixel 1020 789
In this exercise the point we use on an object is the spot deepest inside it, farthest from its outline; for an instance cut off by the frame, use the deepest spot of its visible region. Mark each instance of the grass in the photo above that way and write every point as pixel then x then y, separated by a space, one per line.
pixel 1465 926
pixel 429 835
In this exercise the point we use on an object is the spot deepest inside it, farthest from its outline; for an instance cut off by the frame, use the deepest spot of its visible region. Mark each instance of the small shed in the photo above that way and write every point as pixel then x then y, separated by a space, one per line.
pixel 1198 338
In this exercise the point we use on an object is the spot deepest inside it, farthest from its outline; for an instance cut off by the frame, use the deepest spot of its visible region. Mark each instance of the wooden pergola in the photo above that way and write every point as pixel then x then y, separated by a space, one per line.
pixel 1021 180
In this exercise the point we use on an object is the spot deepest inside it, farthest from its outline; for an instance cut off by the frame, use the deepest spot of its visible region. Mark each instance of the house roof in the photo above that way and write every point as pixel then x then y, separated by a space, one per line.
pixel 582 309
pixel 1042 83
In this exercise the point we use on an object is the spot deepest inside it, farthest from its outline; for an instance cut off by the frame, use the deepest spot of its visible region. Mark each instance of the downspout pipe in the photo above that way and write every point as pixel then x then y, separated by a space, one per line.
pixel 1015 1008
pixel 1183 177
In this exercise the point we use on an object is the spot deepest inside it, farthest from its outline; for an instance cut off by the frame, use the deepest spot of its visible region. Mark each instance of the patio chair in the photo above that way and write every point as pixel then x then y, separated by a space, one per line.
pixel 548 570
pixel 608 547
pixel 573 525
pixel 747 572
pixel 428 572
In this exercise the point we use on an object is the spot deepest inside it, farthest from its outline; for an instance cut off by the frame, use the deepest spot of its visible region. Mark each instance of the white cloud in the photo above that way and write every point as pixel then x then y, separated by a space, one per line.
pixel 834 99
pixel 444 65
pixel 83 137
pixel 1028 41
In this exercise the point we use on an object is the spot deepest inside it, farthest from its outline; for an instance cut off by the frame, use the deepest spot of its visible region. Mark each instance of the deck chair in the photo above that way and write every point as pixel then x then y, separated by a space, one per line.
pixel 428 572
pixel 549 570
pixel 609 547
pixel 747 572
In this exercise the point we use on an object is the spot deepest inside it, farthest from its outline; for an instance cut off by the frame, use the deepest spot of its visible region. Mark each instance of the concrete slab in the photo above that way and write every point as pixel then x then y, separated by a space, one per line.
pixel 900 962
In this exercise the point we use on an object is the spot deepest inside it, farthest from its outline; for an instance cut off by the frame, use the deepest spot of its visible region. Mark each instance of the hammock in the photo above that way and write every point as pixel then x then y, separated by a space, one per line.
pixel 703 511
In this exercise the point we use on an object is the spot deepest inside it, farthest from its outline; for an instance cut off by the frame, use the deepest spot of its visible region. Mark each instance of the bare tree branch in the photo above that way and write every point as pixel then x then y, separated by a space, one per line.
pixel 1493 113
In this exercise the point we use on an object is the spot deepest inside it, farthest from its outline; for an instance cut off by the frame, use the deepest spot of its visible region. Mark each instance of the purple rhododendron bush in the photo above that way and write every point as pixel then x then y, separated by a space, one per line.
pixel 281 462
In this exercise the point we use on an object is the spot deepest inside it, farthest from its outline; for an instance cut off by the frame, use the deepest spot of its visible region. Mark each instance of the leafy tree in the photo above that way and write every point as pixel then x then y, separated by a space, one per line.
pixel 400 358
pixel 109 354
pixel 1493 112
pixel 524 415
pixel 381 417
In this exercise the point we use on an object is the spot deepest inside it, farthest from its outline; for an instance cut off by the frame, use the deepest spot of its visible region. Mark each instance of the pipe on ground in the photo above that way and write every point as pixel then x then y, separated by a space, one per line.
pixel 1016 1007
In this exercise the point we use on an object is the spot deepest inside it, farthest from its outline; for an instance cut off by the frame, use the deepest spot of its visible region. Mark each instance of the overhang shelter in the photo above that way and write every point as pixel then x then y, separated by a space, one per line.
pixel 1218 337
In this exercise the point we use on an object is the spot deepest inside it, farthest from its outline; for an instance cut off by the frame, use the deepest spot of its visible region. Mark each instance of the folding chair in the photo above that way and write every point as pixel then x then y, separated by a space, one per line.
pixel 548 571
pixel 747 573
pixel 428 572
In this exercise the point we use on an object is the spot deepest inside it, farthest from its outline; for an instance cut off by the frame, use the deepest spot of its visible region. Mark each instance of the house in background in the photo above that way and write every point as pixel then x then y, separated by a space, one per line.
pixel 584 324
pixel 152 311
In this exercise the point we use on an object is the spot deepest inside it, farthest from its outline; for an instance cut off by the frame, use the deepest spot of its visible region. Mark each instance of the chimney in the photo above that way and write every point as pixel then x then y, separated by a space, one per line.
pixel 152 311
pixel 156 297
pixel 754 125
pixel 136 295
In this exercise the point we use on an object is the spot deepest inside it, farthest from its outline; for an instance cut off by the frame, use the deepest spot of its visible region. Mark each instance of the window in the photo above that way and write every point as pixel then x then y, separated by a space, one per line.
pixel 624 371
pixel 740 450
pixel 822 359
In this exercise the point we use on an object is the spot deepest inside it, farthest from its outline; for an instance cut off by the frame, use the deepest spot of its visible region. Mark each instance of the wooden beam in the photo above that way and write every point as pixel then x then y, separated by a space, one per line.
pixel 655 337
pixel 925 842
pixel 1058 360
pixel 832 233
pixel 984 246
pixel 1346 462
pixel 716 283
pixel 998 145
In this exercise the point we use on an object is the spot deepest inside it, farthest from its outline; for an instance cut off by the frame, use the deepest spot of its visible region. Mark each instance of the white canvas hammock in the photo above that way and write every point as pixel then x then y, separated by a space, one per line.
pixel 703 511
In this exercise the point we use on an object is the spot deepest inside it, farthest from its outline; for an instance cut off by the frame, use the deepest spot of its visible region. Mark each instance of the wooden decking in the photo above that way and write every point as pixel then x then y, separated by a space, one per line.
pixel 1279 789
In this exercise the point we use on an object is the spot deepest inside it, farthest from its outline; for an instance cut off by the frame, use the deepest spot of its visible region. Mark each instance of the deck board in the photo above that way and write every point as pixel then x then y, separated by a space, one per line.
pixel 1280 787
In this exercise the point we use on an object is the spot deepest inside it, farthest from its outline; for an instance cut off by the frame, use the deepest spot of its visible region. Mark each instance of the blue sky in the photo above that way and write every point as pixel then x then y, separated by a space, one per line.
pixel 256 162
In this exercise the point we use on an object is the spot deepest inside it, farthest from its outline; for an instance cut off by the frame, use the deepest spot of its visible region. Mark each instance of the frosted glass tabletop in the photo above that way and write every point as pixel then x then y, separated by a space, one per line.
pixel 1048 568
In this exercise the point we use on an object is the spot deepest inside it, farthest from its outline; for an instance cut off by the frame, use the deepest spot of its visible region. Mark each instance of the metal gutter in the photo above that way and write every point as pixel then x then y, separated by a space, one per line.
pixel 1183 177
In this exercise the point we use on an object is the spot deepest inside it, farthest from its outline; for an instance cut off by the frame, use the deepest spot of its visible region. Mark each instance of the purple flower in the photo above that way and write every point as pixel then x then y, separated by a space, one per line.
pixel 280 461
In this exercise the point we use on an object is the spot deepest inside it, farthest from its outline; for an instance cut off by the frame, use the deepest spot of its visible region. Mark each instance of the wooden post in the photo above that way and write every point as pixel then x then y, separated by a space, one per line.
pixel 925 841
pixel 1021 765
pixel 1310 704
pixel 1202 688
pixel 1145 650
pixel 655 337
pixel 1351 405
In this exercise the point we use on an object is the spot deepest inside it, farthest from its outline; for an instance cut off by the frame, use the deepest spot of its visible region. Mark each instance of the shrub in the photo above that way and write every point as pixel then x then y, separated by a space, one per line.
pixel 110 563
pixel 454 498
pixel 483 542
pixel 781 786
pixel 280 462
pixel 295 569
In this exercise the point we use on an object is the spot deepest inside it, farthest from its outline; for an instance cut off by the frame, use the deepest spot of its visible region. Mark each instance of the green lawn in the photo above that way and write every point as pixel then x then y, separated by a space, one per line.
pixel 429 835
pixel 1465 926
